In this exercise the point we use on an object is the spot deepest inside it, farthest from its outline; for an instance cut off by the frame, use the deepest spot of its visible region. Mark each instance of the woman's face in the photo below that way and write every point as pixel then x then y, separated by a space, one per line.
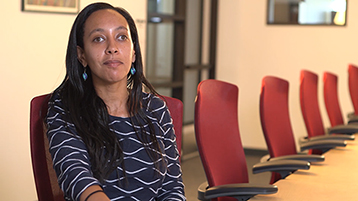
pixel 108 48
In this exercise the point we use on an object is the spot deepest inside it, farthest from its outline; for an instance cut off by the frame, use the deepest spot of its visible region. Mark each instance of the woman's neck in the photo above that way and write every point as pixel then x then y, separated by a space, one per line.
pixel 115 98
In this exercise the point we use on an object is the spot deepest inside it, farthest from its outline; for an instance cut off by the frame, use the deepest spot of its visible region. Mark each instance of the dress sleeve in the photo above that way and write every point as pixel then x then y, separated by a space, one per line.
pixel 69 153
pixel 173 187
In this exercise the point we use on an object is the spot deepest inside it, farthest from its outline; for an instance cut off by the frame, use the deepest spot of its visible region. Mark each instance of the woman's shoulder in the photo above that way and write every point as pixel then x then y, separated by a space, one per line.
pixel 152 102
pixel 55 96
pixel 55 100
pixel 56 105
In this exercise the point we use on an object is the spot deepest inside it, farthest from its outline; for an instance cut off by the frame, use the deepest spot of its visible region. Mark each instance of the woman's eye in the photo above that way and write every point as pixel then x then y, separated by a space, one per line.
pixel 98 39
pixel 122 37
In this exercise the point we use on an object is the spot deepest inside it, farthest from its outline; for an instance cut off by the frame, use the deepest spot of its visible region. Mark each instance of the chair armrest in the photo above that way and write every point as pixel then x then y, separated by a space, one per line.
pixel 351 115
pixel 327 137
pixel 242 191
pixel 344 129
pixel 353 119
pixel 323 145
pixel 283 167
pixel 301 157
pixel 265 158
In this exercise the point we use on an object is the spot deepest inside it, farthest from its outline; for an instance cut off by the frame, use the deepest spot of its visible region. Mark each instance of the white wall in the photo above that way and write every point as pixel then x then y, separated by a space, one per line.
pixel 32 53
pixel 248 49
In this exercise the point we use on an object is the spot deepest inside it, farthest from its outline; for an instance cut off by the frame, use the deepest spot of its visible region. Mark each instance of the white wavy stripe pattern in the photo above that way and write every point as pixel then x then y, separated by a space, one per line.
pixel 143 180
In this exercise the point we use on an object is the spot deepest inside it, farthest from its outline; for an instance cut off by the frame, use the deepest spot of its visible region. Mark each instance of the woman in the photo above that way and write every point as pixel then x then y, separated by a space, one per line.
pixel 109 140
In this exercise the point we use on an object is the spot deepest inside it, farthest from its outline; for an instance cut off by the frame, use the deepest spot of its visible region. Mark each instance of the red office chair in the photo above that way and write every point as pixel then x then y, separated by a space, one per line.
pixel 276 125
pixel 219 145
pixel 330 92
pixel 45 177
pixel 44 174
pixel 175 107
pixel 353 88
pixel 310 108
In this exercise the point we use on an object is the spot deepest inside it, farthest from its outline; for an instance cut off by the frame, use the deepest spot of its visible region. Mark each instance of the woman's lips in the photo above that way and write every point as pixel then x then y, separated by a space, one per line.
pixel 112 63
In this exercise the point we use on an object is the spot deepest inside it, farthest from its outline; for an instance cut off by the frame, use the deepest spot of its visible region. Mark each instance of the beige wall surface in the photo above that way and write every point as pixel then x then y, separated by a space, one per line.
pixel 248 50
pixel 32 56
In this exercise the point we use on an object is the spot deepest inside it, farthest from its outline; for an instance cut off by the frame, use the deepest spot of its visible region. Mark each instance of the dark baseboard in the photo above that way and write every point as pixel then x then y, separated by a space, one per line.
pixel 257 152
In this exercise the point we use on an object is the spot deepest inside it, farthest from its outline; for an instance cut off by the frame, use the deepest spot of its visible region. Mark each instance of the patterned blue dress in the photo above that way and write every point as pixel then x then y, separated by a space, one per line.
pixel 144 181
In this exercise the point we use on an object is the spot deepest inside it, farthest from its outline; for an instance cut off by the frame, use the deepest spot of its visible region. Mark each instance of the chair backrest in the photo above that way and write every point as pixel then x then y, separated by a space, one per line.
pixel 45 177
pixel 175 107
pixel 275 118
pixel 309 103
pixel 217 133
pixel 44 174
pixel 353 85
pixel 330 93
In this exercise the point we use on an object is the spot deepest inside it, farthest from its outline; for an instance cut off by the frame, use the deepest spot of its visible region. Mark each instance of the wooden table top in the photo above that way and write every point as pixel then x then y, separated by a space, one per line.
pixel 334 179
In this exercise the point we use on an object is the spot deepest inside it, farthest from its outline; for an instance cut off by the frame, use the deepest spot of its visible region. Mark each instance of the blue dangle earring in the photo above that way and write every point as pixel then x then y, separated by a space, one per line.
pixel 84 74
pixel 133 70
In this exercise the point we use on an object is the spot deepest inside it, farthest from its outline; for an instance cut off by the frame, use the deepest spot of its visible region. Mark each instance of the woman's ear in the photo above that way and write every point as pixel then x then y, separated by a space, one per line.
pixel 81 56
pixel 133 57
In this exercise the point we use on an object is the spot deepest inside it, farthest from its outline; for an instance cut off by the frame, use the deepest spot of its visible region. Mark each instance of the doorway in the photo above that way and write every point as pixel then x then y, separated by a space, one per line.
pixel 181 52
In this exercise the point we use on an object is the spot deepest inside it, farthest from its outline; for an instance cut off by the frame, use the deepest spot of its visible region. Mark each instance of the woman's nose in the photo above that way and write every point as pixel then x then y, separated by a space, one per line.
pixel 112 51
pixel 112 48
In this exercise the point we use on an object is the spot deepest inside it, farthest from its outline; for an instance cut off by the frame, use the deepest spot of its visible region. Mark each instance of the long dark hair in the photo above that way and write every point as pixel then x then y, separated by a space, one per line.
pixel 87 110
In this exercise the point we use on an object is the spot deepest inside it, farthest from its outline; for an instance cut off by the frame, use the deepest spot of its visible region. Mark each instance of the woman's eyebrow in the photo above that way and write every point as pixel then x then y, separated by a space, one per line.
pixel 102 30
pixel 96 30
pixel 122 27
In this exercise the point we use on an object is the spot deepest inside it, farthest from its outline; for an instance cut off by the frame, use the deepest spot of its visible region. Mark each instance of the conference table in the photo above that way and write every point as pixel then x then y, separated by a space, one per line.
pixel 334 179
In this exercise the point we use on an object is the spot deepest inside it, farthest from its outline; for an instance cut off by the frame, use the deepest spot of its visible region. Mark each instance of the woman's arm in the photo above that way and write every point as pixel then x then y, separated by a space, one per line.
pixel 69 154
